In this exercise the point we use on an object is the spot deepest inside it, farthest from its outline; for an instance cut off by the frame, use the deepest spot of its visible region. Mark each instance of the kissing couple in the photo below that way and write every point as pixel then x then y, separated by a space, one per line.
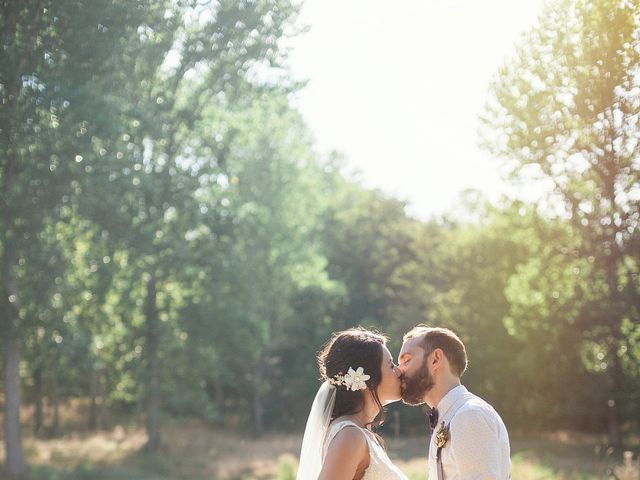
pixel 468 438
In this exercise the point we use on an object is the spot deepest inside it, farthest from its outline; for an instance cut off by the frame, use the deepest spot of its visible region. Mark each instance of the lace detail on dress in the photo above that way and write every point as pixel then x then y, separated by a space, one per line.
pixel 380 466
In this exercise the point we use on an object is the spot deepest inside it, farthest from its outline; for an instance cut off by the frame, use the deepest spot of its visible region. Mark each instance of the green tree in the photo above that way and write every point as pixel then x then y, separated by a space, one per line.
pixel 565 110
pixel 54 54
pixel 274 198
pixel 547 295
pixel 188 57
pixel 366 237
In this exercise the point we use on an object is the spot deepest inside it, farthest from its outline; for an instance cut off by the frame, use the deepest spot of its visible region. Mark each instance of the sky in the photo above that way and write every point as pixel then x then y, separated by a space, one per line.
pixel 397 87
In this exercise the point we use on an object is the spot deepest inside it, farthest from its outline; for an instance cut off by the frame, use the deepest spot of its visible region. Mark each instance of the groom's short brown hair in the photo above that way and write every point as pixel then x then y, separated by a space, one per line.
pixel 444 339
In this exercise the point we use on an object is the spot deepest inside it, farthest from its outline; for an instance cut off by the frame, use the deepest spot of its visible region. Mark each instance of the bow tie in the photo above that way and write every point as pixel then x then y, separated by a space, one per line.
pixel 433 418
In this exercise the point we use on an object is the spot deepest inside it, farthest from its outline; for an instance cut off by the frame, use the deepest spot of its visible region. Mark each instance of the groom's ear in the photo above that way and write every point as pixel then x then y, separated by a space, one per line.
pixel 437 358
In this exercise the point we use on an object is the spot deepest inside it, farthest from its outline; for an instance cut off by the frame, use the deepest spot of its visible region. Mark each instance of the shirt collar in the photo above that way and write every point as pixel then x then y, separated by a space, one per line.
pixel 449 399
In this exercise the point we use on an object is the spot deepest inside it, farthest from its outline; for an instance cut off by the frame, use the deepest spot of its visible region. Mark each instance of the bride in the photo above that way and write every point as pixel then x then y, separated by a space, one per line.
pixel 359 379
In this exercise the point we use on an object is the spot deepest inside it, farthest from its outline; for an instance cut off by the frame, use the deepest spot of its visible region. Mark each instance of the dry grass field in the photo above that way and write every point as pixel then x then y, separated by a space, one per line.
pixel 192 450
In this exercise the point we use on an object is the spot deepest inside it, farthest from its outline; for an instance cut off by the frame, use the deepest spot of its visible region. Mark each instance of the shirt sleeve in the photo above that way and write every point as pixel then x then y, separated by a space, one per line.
pixel 475 445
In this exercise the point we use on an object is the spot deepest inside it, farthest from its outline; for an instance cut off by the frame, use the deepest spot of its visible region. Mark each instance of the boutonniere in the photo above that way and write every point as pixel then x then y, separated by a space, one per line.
pixel 442 436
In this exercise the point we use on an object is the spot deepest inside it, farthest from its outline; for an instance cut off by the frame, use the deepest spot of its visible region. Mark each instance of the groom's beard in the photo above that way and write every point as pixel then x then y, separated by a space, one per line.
pixel 414 388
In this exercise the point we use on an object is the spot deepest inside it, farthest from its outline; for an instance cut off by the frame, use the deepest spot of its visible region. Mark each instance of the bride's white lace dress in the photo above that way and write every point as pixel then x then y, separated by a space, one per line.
pixel 380 467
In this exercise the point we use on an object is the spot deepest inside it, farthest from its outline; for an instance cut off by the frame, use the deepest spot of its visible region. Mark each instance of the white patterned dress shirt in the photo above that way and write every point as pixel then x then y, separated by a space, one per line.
pixel 478 448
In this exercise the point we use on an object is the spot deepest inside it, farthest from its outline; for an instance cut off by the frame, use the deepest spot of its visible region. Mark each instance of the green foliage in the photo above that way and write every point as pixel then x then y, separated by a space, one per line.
pixel 565 111
pixel 287 467
pixel 179 248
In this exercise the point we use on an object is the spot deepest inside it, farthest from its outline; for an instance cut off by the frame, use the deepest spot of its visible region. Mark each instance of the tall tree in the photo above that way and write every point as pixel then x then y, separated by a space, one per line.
pixel 275 198
pixel 565 110
pixel 183 62
pixel 53 56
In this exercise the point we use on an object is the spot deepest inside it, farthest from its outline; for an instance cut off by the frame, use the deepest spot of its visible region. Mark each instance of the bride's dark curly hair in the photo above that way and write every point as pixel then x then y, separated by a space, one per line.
pixel 356 347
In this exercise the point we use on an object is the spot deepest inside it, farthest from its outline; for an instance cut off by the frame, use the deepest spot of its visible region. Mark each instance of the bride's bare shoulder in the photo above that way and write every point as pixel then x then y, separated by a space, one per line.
pixel 347 454
pixel 348 438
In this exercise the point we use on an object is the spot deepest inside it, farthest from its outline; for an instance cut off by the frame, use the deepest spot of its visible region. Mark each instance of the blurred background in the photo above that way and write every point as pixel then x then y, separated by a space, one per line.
pixel 195 194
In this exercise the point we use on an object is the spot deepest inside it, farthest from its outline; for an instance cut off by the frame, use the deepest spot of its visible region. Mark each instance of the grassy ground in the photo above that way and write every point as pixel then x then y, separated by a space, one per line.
pixel 193 451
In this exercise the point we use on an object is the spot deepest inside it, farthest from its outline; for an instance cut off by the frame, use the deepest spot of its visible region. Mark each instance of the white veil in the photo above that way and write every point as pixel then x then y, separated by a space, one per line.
pixel 315 431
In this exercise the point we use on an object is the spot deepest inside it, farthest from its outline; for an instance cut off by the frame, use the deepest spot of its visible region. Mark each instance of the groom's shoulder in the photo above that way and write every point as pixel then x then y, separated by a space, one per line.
pixel 474 407
pixel 473 401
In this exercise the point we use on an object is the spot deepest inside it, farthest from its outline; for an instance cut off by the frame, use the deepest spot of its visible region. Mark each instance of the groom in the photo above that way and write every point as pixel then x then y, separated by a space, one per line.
pixel 469 440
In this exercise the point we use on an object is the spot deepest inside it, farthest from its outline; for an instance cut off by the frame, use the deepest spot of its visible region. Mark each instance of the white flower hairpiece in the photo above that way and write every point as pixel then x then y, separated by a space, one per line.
pixel 354 379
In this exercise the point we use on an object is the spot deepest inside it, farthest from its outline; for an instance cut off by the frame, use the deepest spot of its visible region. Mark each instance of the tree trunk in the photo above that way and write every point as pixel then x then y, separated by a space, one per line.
pixel 612 258
pixel 153 367
pixel 38 402
pixel 258 408
pixel 14 463
pixel 219 399
pixel 102 395
pixel 14 456
pixel 9 288
pixel 93 393
pixel 97 390
pixel 617 373
pixel 55 402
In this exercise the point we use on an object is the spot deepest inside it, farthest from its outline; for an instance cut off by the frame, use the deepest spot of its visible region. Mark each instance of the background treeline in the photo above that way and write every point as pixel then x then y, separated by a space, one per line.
pixel 172 245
